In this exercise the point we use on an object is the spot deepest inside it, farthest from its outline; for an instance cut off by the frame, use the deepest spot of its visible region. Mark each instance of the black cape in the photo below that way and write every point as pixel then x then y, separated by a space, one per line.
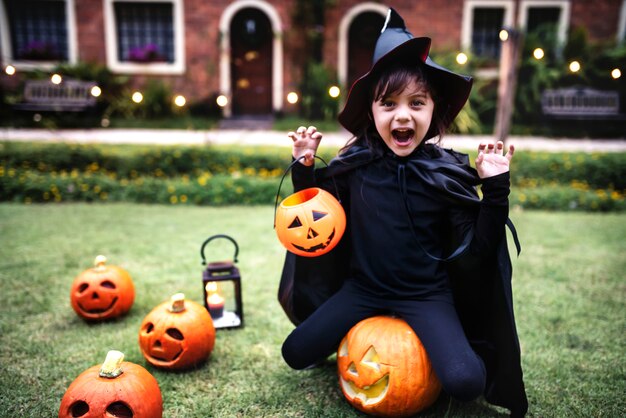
pixel 481 287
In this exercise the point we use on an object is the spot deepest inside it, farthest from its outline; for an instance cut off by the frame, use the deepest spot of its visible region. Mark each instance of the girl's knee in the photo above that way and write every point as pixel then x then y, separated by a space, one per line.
pixel 464 383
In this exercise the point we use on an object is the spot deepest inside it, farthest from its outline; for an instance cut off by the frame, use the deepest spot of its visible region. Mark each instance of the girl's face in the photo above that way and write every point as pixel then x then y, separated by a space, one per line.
pixel 402 118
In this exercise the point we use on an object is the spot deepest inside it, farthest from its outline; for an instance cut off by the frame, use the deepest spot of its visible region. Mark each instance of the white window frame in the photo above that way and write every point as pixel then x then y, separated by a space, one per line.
pixel 621 26
pixel 124 67
pixel 468 23
pixel 564 16
pixel 7 50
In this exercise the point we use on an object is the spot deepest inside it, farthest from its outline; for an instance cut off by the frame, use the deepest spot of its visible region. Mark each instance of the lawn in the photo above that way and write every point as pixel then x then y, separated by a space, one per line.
pixel 569 289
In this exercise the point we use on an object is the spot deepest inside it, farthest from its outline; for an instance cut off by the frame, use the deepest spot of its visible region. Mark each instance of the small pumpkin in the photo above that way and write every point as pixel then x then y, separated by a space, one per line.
pixel 310 222
pixel 114 389
pixel 102 292
pixel 177 334
pixel 384 369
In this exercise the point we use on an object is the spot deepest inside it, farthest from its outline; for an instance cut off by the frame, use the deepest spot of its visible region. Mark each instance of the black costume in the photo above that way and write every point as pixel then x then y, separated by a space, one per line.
pixel 438 245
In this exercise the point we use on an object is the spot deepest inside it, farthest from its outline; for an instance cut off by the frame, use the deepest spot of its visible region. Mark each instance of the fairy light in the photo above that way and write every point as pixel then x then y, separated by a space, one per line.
pixel 616 73
pixel 96 91
pixel 56 78
pixel 9 69
pixel 504 35
pixel 137 97
pixel 574 66
pixel 461 58
pixel 334 92
pixel 538 53
pixel 221 100
pixel 180 101
pixel 292 97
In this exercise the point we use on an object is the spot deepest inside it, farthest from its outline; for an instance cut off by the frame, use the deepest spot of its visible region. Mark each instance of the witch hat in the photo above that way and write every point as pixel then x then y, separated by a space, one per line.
pixel 396 45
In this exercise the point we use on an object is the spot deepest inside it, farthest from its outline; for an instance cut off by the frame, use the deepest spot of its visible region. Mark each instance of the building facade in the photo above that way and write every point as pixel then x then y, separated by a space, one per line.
pixel 251 51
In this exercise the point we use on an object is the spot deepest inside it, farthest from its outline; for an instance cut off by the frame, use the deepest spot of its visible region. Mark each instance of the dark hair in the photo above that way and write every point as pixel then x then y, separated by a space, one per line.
pixel 393 80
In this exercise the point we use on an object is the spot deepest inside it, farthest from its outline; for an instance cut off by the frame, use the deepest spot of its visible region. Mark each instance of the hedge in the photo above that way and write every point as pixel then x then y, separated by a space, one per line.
pixel 217 175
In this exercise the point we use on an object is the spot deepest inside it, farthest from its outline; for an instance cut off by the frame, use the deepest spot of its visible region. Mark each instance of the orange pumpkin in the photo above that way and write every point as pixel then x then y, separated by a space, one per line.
pixel 177 334
pixel 384 369
pixel 114 389
pixel 102 292
pixel 310 222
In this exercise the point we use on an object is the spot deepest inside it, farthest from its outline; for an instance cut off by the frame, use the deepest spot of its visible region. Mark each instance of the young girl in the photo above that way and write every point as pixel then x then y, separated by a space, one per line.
pixel 419 243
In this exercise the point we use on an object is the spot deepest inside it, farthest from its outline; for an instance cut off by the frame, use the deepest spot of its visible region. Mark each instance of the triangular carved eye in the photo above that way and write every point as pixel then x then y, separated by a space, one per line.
pixel 295 224
pixel 317 215
pixel 371 359
pixel 352 369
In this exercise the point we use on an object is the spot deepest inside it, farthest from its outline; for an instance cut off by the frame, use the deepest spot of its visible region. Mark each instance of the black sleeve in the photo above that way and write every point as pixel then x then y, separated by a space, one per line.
pixel 302 176
pixel 490 221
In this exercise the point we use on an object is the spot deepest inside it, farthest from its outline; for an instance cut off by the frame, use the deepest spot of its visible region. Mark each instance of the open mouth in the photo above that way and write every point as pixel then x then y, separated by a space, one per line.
pixel 403 136
pixel 368 395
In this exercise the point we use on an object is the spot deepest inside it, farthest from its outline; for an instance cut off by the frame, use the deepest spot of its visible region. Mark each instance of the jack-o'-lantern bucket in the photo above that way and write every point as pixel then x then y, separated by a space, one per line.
pixel 309 222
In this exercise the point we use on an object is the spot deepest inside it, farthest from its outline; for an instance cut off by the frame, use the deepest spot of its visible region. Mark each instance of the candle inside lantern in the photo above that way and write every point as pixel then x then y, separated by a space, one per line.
pixel 214 300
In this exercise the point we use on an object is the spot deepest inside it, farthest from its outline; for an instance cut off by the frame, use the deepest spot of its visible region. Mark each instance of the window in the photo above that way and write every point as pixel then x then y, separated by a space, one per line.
pixel 482 22
pixel 548 18
pixel 145 36
pixel 485 29
pixel 37 33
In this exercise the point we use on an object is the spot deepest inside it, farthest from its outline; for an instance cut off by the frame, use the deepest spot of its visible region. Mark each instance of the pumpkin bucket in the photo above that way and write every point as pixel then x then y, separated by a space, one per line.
pixel 310 222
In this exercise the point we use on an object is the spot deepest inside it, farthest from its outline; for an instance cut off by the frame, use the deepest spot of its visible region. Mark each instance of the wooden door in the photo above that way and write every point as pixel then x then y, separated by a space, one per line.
pixel 251 63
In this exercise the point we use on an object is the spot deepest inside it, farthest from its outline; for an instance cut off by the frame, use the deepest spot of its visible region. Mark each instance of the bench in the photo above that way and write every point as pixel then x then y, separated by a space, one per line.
pixel 68 96
pixel 580 103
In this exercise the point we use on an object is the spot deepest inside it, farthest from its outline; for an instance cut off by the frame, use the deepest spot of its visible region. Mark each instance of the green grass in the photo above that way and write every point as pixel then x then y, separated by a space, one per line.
pixel 569 297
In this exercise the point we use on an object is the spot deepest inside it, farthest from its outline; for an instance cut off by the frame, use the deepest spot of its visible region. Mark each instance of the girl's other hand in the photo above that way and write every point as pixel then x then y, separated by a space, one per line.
pixel 492 160
pixel 305 143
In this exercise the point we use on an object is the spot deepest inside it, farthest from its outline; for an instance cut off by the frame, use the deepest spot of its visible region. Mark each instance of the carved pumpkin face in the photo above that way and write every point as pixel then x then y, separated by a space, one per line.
pixel 384 370
pixel 177 334
pixel 310 222
pixel 133 393
pixel 102 292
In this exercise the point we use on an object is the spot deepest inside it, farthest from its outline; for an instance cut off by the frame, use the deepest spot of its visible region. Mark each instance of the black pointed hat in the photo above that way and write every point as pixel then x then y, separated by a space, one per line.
pixel 396 45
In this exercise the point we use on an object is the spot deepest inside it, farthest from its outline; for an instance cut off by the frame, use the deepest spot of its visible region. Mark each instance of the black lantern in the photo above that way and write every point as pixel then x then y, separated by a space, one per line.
pixel 221 284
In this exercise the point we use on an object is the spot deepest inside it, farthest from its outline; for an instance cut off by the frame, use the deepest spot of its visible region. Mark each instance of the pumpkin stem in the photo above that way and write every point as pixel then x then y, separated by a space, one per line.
pixel 178 302
pixel 99 262
pixel 112 366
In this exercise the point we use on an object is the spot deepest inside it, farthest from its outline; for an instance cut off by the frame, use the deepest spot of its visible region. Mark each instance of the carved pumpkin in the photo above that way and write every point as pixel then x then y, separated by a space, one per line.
pixel 177 334
pixel 384 370
pixel 114 389
pixel 310 222
pixel 102 292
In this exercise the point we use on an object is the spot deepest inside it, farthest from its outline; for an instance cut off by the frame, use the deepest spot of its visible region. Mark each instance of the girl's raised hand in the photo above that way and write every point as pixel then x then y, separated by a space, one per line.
pixel 492 160
pixel 305 143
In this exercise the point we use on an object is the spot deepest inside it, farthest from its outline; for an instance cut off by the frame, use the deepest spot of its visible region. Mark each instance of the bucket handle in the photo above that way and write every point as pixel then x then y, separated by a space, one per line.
pixel 214 237
pixel 283 178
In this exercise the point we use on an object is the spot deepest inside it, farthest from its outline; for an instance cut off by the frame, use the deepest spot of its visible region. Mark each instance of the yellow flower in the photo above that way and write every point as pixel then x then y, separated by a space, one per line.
pixel 183 198
pixel 173 199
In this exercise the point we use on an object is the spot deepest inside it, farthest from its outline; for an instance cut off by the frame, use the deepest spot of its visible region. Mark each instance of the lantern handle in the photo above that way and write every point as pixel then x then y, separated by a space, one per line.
pixel 283 178
pixel 214 237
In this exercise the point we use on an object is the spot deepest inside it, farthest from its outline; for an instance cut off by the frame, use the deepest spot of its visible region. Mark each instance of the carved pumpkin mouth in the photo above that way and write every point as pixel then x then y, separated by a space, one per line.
pixel 98 311
pixel 318 247
pixel 161 358
pixel 367 395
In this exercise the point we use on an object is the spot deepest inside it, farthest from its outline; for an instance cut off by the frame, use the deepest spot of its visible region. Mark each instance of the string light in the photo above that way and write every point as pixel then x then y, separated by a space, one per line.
pixel 56 79
pixel 538 53
pixel 504 35
pixel 334 92
pixel 180 101
pixel 574 66
pixel 9 69
pixel 292 97
pixel 616 73
pixel 221 100
pixel 461 58
pixel 96 91
pixel 137 97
